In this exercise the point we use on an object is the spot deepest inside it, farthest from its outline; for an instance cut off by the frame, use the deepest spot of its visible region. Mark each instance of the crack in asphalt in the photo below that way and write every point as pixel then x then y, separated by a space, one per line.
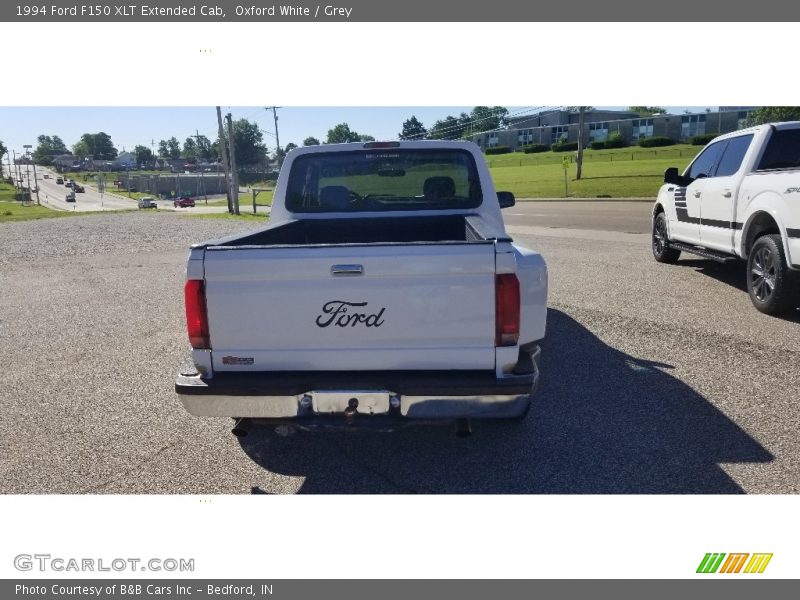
pixel 120 476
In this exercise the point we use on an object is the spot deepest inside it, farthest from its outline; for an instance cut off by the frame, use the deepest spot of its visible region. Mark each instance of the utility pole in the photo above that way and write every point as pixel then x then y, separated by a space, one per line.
pixel 196 136
pixel 36 184
pixel 234 172
pixel 581 111
pixel 277 139
pixel 16 170
pixel 223 150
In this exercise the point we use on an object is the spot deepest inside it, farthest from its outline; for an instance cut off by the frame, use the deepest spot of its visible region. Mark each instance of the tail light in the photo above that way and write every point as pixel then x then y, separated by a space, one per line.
pixel 196 314
pixel 506 306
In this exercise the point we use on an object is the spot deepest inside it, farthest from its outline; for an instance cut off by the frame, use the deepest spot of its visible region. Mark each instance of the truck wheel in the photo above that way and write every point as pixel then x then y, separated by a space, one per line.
pixel 769 281
pixel 661 250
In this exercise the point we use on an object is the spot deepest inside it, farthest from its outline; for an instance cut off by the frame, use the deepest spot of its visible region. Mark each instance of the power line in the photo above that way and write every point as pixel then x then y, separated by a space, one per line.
pixel 463 125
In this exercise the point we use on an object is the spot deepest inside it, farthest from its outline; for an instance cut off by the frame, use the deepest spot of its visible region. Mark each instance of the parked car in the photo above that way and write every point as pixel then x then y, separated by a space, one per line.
pixel 147 202
pixel 70 197
pixel 183 202
pixel 738 199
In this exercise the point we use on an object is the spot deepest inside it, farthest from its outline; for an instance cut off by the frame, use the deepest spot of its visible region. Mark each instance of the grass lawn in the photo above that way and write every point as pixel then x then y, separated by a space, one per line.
pixel 602 177
pixel 12 210
pixel 245 200
pixel 6 192
pixel 678 153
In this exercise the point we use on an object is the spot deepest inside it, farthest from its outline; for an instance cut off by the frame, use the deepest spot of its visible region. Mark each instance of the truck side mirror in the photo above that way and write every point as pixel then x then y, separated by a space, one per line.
pixel 671 176
pixel 506 199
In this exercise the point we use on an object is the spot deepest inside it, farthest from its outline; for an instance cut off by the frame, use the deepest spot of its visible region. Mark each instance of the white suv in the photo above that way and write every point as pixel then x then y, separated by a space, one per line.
pixel 147 202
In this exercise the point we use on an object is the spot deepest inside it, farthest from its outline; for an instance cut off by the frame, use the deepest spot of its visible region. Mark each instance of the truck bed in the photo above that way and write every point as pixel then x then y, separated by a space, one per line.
pixel 371 230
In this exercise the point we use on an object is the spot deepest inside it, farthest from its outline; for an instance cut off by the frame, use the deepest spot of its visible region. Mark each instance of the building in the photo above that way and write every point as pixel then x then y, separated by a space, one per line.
pixel 124 160
pixel 561 125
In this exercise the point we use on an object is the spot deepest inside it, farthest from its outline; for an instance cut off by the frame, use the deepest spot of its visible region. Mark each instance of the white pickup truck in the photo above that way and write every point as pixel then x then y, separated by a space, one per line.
pixel 739 198
pixel 384 292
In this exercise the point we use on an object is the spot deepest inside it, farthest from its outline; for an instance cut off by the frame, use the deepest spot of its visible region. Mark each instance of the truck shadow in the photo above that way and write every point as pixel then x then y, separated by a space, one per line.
pixel 733 274
pixel 602 422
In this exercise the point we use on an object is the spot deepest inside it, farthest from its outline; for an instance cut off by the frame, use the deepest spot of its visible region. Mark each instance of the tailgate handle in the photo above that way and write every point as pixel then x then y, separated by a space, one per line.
pixel 347 270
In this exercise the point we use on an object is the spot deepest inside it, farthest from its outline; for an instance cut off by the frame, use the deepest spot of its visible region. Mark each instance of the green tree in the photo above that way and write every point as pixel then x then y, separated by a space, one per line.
pixel 449 128
pixel 311 141
pixel 173 148
pixel 47 148
pixel 144 156
pixel 647 111
pixel 483 118
pixel 341 134
pixel 95 145
pixel 290 146
pixel 773 114
pixel 412 130
pixel 190 149
pixel 205 150
pixel 3 152
pixel 81 149
pixel 363 137
pixel 163 149
pixel 249 143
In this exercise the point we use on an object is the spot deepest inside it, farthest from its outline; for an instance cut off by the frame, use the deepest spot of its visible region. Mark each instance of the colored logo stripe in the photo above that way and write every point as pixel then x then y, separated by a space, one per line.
pixel 733 564
pixel 710 563
pixel 758 563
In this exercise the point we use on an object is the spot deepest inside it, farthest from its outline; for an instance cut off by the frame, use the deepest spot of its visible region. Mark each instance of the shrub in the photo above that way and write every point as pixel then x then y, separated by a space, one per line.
pixel 615 141
pixel 597 145
pixel 702 140
pixel 533 148
pixel 498 150
pixel 655 141
pixel 564 146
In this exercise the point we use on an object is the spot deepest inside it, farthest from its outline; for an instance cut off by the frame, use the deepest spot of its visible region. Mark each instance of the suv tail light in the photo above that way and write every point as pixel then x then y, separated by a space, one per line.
pixel 196 314
pixel 506 303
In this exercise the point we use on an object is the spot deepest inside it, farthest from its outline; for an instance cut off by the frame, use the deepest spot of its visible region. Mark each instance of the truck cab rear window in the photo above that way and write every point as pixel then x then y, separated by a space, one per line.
pixel 782 152
pixel 378 180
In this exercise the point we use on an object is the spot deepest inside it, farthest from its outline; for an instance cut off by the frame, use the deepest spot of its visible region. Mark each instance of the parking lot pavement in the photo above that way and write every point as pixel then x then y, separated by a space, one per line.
pixel 655 378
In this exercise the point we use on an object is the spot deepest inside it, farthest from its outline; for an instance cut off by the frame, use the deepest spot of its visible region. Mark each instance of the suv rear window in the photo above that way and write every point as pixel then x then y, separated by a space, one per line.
pixel 386 179
pixel 782 152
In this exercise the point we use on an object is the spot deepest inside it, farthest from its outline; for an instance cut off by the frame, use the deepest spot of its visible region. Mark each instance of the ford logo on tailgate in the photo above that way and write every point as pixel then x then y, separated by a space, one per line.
pixel 343 314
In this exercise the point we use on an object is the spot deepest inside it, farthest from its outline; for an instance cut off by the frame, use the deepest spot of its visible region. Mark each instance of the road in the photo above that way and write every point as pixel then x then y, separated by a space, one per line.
pixel 53 194
pixel 655 378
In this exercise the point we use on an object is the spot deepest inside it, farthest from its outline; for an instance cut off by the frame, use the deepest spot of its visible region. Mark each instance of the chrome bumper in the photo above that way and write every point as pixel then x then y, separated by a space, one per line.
pixel 289 397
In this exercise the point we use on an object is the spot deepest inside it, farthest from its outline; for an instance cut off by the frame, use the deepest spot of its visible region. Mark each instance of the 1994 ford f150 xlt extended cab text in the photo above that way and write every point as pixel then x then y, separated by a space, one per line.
pixel 739 198
pixel 384 292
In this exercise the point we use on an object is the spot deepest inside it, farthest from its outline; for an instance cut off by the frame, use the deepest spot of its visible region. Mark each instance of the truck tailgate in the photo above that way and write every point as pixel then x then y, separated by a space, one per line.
pixel 352 307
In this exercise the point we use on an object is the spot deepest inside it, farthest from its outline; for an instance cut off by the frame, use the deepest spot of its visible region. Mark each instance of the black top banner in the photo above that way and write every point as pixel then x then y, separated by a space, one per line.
pixel 497 11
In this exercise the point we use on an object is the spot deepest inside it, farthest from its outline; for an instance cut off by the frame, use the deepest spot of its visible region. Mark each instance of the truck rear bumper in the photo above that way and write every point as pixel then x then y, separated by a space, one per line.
pixel 425 395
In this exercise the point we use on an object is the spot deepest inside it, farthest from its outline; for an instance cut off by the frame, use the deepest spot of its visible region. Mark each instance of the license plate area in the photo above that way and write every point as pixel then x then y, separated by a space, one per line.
pixel 367 402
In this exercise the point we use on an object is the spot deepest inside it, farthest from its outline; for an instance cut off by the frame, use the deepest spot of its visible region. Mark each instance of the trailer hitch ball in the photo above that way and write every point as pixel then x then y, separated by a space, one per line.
pixel 352 410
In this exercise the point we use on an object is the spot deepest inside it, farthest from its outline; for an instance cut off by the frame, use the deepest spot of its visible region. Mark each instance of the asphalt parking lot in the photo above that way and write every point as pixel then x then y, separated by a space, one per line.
pixel 655 378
